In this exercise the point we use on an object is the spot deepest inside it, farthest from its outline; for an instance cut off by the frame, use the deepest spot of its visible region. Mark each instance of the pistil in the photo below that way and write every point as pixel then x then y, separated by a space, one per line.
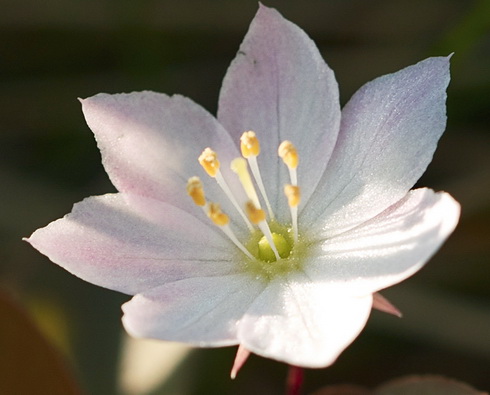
pixel 239 166
pixel 257 216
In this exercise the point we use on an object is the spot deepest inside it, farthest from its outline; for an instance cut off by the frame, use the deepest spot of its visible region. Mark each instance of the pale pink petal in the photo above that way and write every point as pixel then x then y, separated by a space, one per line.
pixel 106 242
pixel 302 323
pixel 387 249
pixel 202 311
pixel 150 143
pixel 280 87
pixel 388 134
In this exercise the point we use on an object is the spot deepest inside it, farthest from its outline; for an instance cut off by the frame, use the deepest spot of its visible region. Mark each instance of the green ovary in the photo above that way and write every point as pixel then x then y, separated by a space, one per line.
pixel 265 265
pixel 265 250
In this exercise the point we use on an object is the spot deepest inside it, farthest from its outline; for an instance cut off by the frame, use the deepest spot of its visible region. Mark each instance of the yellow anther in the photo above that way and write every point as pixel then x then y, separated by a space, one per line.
pixel 293 194
pixel 196 191
pixel 209 161
pixel 216 215
pixel 256 215
pixel 249 144
pixel 287 152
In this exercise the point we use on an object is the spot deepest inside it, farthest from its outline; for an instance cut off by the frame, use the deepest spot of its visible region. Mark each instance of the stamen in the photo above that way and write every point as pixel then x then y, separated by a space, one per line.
pixel 196 191
pixel 220 219
pixel 216 215
pixel 210 163
pixel 239 166
pixel 250 147
pixel 287 152
pixel 249 144
pixel 293 194
pixel 257 216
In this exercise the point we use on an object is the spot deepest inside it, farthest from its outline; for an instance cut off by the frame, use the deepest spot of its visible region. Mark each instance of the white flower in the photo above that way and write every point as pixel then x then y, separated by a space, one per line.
pixel 213 282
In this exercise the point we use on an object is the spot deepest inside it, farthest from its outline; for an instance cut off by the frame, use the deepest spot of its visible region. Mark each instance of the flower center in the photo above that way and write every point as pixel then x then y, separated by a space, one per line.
pixel 265 250
pixel 272 248
pixel 265 266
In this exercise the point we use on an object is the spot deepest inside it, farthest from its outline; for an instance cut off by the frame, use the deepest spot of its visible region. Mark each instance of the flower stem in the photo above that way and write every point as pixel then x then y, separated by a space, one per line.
pixel 294 381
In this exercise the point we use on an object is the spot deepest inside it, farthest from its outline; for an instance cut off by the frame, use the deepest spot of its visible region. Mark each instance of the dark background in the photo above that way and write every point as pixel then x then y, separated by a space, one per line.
pixel 54 51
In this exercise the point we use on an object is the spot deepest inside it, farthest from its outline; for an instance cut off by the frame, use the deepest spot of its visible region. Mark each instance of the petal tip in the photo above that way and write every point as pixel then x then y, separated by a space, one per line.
pixel 32 238
pixel 240 359
pixel 382 304
pixel 452 211
pixel 267 12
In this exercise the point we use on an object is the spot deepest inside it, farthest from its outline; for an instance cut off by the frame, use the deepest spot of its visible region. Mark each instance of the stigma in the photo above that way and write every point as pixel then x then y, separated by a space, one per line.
pixel 270 244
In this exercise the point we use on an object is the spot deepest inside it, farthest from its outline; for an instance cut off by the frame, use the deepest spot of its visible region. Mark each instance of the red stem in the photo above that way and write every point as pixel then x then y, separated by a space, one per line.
pixel 294 381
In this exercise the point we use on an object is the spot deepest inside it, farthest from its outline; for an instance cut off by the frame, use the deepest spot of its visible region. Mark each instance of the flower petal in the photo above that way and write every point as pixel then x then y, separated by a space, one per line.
pixel 389 248
pixel 150 143
pixel 303 323
pixel 202 311
pixel 280 87
pixel 106 242
pixel 388 134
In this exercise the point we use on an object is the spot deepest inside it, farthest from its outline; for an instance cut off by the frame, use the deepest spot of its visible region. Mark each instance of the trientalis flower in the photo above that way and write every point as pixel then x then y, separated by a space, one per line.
pixel 273 225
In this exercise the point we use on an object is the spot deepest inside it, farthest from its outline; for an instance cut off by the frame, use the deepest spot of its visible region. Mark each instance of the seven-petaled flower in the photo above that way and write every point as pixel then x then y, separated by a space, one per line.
pixel 306 210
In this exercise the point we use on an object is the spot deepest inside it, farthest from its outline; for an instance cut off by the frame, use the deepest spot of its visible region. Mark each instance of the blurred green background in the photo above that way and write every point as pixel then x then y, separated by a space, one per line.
pixel 59 333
